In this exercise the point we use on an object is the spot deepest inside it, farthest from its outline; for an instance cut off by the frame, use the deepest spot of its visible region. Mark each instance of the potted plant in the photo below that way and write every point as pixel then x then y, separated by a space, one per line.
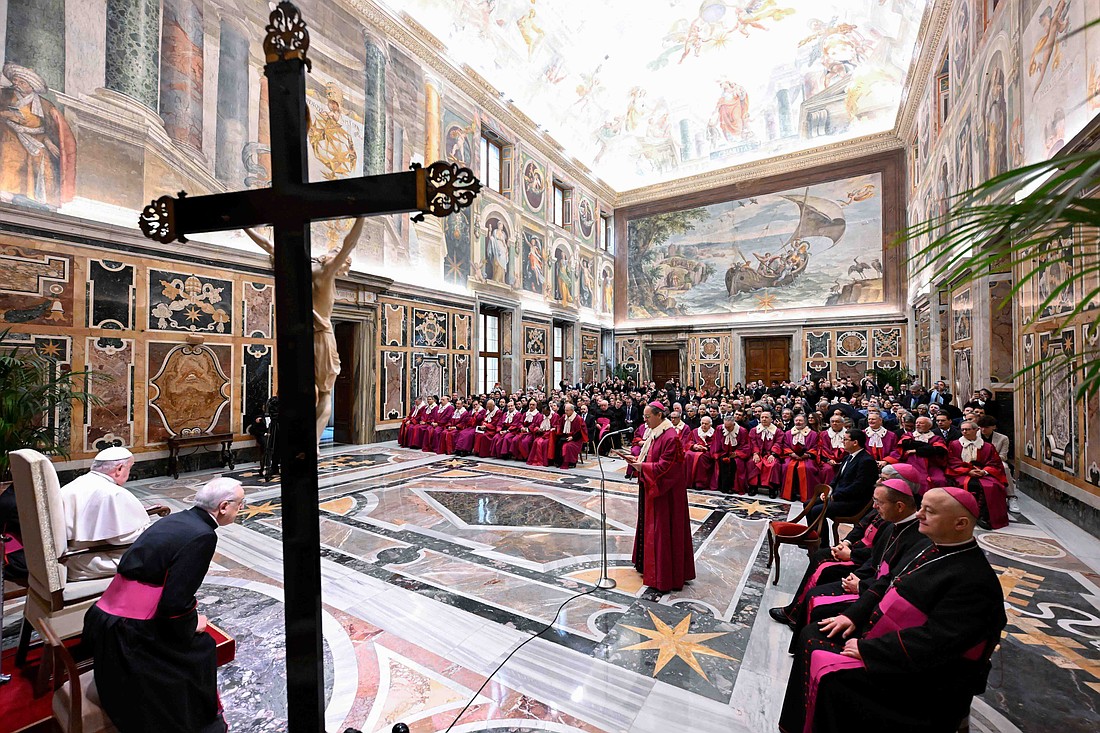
pixel 32 387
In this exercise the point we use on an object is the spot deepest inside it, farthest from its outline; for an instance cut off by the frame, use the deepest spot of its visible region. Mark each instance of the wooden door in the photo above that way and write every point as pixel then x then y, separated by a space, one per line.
pixel 767 360
pixel 666 365
pixel 343 393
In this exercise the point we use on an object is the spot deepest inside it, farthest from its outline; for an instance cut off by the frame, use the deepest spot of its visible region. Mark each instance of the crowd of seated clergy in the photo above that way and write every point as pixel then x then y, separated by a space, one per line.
pixel 782 440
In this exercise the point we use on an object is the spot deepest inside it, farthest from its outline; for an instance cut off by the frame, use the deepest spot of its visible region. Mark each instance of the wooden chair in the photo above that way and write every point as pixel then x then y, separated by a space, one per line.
pixel 851 519
pixel 76 707
pixel 808 537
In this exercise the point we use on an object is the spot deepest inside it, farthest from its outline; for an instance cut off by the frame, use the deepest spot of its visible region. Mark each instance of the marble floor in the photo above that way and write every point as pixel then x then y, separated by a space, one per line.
pixel 435 568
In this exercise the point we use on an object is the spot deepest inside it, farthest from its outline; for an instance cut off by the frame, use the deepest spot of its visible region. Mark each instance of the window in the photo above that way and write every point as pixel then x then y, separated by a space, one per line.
pixel 943 91
pixel 607 232
pixel 491 157
pixel 563 202
pixel 489 356
pixel 559 348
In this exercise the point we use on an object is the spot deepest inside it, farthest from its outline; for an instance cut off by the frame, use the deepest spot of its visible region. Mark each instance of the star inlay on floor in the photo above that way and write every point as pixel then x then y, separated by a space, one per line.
pixel 675 643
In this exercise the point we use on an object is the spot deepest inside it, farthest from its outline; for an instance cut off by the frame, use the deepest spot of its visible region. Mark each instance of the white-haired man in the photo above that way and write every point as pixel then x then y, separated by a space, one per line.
pixel 155 668
pixel 98 512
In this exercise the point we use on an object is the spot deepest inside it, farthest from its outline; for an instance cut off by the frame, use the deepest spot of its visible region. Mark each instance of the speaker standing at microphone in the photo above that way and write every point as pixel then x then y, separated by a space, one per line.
pixel 662 543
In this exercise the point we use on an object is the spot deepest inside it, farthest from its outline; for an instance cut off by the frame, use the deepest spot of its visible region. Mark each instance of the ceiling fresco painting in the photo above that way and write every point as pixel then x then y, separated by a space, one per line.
pixel 650 91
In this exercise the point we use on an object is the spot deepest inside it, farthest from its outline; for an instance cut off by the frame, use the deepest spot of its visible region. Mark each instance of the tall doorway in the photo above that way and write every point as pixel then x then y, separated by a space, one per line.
pixel 768 359
pixel 666 365
pixel 344 392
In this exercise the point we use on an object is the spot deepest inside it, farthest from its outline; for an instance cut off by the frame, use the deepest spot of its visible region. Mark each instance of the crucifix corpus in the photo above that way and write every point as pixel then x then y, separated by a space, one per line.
pixel 290 206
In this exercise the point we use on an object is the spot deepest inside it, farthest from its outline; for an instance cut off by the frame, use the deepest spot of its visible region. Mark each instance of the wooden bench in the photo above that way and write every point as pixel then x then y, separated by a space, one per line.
pixel 176 442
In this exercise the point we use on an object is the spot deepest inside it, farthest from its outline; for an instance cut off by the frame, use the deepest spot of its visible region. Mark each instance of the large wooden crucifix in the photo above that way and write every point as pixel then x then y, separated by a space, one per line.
pixel 290 206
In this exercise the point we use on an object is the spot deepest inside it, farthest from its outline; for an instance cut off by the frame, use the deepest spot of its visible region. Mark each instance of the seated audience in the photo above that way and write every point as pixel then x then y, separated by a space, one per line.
pixel 931 634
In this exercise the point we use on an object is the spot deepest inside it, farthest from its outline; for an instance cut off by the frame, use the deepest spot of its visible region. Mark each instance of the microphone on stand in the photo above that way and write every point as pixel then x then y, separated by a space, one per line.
pixel 604 581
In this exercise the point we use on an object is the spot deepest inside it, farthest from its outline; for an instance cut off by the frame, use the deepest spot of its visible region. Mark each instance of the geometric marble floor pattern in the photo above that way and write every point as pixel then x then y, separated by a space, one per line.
pixel 434 568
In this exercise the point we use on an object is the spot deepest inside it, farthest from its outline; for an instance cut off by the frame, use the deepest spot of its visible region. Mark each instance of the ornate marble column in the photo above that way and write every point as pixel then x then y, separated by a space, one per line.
pixel 232 132
pixel 374 132
pixel 432 120
pixel 181 73
pixel 35 38
pixel 133 50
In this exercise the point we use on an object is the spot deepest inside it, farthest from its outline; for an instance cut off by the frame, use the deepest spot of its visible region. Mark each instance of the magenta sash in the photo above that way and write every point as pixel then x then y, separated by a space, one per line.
pixel 813 581
pixel 130 599
pixel 12 544
pixel 898 614
pixel 829 600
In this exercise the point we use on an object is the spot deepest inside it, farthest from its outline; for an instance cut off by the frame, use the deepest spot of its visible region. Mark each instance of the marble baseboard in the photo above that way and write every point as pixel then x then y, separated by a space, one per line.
pixel 1081 514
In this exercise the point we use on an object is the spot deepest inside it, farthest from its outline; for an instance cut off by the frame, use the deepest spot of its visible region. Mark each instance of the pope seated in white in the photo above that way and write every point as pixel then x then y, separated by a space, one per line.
pixel 99 511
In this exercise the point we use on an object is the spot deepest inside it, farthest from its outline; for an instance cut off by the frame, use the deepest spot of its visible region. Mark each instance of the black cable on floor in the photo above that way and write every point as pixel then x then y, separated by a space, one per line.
pixel 521 645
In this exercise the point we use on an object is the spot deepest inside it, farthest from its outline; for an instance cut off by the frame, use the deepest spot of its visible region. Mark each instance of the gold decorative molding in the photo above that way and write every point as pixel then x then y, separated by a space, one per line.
pixel 786 163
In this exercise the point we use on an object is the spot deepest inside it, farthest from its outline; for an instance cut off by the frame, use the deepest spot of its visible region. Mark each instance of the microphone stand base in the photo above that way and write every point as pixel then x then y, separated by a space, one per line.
pixel 606 583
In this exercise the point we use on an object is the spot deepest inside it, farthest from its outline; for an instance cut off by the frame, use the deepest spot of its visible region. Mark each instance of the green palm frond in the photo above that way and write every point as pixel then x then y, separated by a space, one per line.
pixel 1013 223
pixel 32 387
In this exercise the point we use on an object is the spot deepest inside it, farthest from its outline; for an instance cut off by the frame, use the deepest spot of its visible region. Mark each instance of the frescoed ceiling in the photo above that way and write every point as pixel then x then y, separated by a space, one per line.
pixel 648 91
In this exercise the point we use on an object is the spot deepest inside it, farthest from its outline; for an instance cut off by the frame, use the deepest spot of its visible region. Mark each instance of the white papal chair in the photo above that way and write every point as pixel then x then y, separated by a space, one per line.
pixel 50 596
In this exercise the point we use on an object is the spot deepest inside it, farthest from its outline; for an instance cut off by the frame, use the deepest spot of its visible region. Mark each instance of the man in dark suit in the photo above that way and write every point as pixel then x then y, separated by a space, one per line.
pixel 855 479
pixel 946 428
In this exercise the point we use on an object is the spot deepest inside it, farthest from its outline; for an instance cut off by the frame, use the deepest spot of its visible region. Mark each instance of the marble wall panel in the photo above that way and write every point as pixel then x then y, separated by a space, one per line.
pixel 460 331
pixel 534 371
pixel 852 343
pixel 818 369
pixel 188 389
pixel 962 370
pixel 57 349
pixel 188 302
pixel 111 295
pixel 395 325
pixel 818 344
pixel 429 374
pixel 1001 338
pixel 430 329
pixel 887 342
pixel 961 315
pixel 506 322
pixel 1058 265
pixel 392 385
pixel 258 310
pixel 36 287
pixel 461 372
pixel 257 372
pixel 534 340
pixel 1091 409
pixel 1058 408
pixel 851 369
pixel 111 422
pixel 711 376
pixel 1028 431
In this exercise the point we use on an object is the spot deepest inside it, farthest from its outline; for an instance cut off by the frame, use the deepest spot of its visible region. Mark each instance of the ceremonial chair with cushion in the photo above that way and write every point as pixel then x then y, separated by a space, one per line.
pixel 50 596
pixel 75 704
pixel 852 519
pixel 808 537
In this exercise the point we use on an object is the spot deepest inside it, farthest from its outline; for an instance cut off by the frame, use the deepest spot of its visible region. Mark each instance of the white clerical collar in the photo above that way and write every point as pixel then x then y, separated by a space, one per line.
pixel 705 433
pixel 908 519
pixel 104 476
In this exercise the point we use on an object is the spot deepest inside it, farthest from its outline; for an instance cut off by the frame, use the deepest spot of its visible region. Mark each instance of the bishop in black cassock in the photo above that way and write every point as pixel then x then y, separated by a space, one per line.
pixel 155 667
pixel 930 637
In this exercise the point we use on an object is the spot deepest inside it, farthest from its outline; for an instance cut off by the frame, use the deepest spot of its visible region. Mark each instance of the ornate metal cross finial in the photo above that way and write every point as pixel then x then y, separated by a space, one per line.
pixel 448 188
pixel 158 220
pixel 287 37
